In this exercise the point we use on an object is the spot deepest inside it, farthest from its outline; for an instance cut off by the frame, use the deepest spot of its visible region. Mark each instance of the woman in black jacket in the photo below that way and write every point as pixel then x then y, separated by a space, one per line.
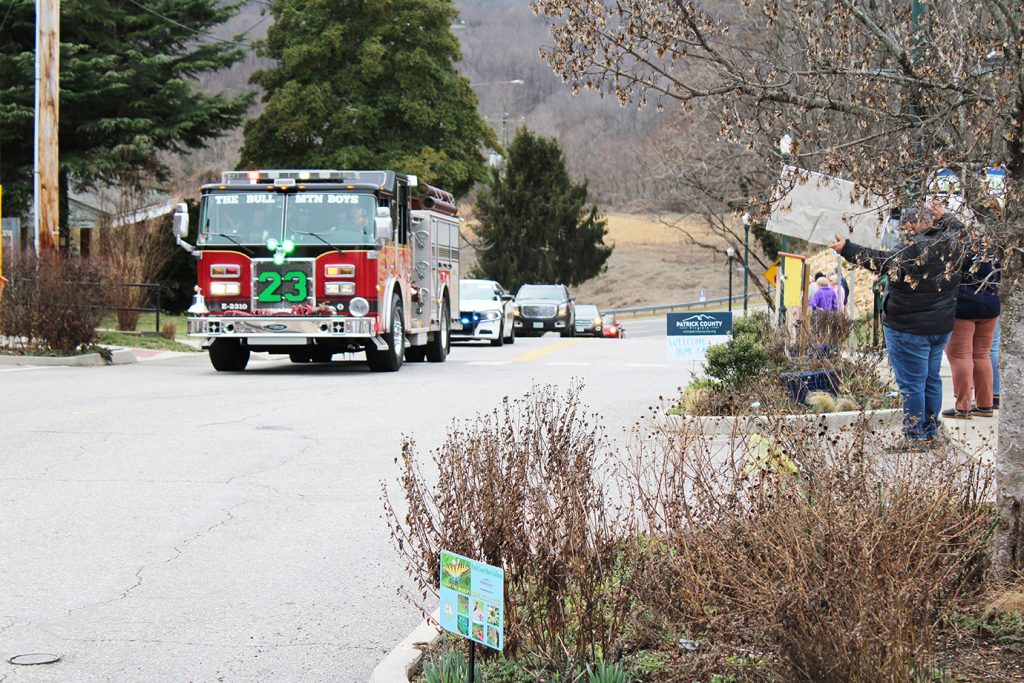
pixel 919 310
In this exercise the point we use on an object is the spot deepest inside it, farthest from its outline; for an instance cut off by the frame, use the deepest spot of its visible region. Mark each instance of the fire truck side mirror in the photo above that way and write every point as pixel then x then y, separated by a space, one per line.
pixel 181 221
pixel 382 223
pixel 180 227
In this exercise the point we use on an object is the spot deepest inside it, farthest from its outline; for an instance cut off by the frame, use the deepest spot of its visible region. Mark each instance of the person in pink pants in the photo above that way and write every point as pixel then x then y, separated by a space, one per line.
pixel 977 313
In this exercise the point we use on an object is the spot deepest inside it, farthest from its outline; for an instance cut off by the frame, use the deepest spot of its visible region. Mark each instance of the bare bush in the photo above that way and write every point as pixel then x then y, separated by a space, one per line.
pixel 135 246
pixel 169 330
pixel 809 550
pixel 52 304
pixel 518 488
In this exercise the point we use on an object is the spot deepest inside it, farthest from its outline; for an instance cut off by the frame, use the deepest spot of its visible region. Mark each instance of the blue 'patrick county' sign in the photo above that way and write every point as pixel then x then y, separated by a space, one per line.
pixel 473 600
pixel 690 334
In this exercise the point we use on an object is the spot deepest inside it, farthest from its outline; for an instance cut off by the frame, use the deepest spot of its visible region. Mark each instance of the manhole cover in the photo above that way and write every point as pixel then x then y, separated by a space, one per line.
pixel 36 658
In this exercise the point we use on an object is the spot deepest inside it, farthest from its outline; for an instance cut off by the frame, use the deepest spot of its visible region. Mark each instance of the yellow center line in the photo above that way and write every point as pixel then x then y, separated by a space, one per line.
pixel 546 350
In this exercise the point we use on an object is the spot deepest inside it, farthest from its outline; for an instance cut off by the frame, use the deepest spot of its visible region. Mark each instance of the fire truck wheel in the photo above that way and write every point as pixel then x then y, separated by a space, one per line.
pixel 390 359
pixel 228 355
pixel 441 343
pixel 415 354
pixel 299 357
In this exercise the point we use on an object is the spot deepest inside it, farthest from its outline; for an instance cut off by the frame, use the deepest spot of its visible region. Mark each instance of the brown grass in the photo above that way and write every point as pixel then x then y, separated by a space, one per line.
pixel 652 264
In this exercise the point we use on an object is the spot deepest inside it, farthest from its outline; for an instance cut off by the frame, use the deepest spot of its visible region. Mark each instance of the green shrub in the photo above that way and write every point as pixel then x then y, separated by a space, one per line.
pixel 757 325
pixel 450 667
pixel 737 362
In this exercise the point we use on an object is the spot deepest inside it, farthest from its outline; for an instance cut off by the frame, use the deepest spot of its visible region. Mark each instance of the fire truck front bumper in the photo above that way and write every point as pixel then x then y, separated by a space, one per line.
pixel 282 327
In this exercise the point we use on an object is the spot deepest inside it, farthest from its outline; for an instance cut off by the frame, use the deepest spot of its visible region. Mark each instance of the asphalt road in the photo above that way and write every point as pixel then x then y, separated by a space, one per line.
pixel 164 522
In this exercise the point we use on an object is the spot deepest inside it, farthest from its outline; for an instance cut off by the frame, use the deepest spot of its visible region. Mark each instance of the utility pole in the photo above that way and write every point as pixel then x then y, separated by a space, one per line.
pixel 47 173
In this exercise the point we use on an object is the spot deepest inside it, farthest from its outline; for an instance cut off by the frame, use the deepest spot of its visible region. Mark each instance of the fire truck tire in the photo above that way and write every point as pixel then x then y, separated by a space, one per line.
pixel 299 357
pixel 415 354
pixel 439 346
pixel 228 355
pixel 390 359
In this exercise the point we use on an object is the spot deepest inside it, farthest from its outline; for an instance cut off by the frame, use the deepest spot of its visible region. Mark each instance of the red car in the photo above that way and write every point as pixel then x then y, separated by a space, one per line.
pixel 611 327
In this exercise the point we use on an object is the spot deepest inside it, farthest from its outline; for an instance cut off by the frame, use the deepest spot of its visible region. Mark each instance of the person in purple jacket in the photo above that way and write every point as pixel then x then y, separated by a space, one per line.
pixel 824 297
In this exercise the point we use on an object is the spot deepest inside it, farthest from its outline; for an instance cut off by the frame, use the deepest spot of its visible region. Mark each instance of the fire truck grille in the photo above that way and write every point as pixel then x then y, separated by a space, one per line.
pixel 538 311
pixel 279 287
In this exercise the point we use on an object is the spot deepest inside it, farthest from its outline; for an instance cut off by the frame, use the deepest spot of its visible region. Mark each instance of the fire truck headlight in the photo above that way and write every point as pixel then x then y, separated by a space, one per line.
pixel 339 270
pixel 273 244
pixel 340 288
pixel 225 289
pixel 490 315
pixel 358 307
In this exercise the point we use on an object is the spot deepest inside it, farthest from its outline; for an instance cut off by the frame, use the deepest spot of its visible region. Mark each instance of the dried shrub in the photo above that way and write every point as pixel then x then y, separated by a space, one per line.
pixel 518 488
pixel 136 250
pixel 53 304
pixel 811 551
pixel 169 330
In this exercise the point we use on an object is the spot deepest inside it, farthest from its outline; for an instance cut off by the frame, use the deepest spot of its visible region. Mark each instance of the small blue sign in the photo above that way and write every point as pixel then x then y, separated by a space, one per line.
pixel 472 600
pixel 699 324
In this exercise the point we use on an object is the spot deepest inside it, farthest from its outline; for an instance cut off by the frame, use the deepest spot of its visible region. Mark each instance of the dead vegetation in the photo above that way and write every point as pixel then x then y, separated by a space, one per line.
pixel 775 552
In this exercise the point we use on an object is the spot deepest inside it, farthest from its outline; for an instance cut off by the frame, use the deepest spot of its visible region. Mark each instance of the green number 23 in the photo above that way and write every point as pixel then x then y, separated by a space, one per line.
pixel 270 293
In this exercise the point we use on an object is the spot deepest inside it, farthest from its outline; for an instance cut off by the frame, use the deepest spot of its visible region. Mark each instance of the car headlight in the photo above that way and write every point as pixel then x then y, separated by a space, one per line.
pixel 358 307
pixel 563 309
pixel 515 310
pixel 489 315
pixel 597 321
pixel 225 289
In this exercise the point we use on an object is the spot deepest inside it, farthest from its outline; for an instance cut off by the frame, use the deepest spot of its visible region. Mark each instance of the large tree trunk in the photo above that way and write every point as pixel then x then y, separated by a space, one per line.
pixel 1009 550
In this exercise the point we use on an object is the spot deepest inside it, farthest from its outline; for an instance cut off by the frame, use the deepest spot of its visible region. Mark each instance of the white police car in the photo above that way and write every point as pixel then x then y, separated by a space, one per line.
pixel 487 312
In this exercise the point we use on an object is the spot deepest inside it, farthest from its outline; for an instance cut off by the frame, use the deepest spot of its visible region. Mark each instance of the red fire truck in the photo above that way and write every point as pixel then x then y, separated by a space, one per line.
pixel 311 263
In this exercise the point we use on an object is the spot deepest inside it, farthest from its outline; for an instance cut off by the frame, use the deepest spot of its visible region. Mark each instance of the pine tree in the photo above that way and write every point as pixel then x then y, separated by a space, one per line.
pixel 127 89
pixel 368 85
pixel 534 227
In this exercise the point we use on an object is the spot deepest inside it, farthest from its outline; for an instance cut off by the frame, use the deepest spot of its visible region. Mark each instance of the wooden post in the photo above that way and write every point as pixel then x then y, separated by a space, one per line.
pixel 805 322
pixel 47 172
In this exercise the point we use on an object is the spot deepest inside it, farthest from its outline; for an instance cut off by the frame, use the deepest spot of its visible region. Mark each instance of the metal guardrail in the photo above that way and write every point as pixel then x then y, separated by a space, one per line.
pixel 681 306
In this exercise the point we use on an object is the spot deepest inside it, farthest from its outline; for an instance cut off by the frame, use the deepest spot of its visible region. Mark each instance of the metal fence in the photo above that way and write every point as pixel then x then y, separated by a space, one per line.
pixel 156 304
pixel 685 306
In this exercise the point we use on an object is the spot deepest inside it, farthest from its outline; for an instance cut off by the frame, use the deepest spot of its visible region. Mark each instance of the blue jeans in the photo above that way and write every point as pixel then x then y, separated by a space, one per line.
pixel 994 355
pixel 916 360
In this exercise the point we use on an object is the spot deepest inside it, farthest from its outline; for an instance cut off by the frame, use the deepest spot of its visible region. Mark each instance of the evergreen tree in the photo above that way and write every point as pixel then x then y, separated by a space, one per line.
pixel 534 226
pixel 127 89
pixel 368 85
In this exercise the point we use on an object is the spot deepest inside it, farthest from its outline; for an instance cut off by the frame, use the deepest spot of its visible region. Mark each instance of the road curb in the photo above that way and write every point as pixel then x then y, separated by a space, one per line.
pixel 117 357
pixel 397 665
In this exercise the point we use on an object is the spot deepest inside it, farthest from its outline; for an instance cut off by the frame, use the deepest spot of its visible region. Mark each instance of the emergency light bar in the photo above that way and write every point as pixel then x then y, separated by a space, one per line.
pixel 272 176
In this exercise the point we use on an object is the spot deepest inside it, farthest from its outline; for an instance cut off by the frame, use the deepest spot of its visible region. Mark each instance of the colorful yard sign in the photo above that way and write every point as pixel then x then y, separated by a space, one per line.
pixel 690 334
pixel 473 600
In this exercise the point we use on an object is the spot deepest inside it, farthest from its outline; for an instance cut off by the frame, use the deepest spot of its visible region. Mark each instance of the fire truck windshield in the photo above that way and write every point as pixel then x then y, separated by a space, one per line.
pixel 304 217
pixel 240 218
pixel 339 218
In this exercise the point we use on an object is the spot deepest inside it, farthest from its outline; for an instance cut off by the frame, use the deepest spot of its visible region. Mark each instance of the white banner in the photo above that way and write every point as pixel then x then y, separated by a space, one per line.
pixel 816 207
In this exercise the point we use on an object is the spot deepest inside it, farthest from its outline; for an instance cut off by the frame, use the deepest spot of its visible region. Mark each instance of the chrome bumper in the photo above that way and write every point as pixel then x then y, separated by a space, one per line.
pixel 283 327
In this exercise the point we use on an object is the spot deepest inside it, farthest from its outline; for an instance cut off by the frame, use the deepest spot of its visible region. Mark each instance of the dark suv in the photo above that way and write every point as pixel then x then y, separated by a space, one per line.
pixel 543 308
